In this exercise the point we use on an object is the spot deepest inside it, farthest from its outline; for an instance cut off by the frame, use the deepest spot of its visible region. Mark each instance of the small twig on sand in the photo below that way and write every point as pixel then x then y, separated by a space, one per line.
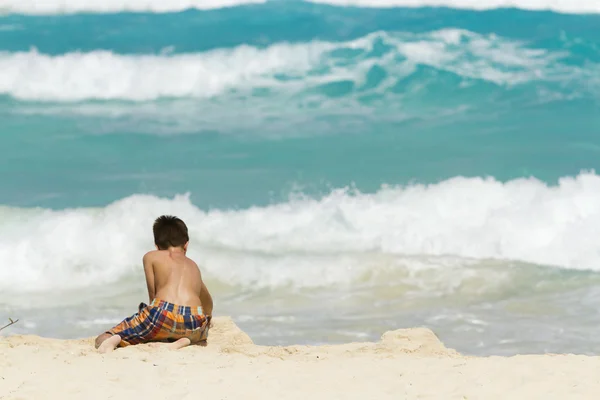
pixel 11 323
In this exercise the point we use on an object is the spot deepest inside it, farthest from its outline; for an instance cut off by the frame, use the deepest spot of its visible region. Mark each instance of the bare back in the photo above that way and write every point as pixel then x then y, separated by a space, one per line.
pixel 173 277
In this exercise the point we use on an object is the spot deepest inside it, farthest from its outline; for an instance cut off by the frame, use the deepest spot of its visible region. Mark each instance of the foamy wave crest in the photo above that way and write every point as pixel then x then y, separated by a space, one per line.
pixel 104 75
pixel 561 6
pixel 35 7
pixel 336 240
pixel 289 67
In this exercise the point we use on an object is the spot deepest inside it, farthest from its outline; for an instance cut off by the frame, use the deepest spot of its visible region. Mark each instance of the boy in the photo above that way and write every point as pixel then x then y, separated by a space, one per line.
pixel 180 307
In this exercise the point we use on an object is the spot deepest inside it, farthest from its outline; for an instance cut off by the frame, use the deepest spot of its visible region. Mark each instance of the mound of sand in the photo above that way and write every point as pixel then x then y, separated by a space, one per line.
pixel 404 364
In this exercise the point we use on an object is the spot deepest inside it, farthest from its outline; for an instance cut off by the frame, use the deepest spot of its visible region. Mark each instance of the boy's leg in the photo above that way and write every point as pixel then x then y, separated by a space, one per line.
pixel 131 330
pixel 109 344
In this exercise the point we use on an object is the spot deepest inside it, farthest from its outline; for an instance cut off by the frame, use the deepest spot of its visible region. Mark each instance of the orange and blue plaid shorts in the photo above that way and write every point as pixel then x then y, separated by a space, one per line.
pixel 163 322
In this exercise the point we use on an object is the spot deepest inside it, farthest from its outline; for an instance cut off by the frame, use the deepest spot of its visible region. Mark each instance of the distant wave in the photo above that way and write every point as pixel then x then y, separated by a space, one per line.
pixel 35 7
pixel 561 6
pixel 314 242
pixel 78 6
pixel 381 59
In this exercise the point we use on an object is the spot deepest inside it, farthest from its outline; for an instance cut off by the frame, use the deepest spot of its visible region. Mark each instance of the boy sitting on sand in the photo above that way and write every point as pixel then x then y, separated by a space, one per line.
pixel 180 305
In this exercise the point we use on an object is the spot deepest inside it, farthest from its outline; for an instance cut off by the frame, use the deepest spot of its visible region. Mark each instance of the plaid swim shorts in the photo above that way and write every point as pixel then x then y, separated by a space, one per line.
pixel 163 322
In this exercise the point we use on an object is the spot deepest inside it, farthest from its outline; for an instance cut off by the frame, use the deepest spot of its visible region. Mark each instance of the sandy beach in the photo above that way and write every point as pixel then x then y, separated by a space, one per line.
pixel 404 364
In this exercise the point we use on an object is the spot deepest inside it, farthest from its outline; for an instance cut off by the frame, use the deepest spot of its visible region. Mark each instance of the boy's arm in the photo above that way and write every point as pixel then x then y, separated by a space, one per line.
pixel 149 272
pixel 206 300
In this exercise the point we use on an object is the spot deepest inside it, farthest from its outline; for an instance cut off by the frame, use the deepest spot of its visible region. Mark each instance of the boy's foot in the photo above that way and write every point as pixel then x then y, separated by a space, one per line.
pixel 179 344
pixel 109 344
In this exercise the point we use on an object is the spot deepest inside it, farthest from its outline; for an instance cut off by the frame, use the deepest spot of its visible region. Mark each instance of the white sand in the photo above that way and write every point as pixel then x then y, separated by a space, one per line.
pixel 405 364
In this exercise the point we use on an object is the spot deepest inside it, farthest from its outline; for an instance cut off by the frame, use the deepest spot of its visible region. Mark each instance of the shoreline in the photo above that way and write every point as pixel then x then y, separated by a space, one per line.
pixel 404 364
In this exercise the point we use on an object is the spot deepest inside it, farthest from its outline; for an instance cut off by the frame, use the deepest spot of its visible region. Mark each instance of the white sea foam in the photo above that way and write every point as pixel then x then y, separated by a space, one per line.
pixel 75 6
pixel 338 240
pixel 44 7
pixel 560 6
pixel 280 67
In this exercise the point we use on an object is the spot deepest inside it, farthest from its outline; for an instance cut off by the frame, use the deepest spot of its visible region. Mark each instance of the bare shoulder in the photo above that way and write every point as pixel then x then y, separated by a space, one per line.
pixel 192 262
pixel 152 256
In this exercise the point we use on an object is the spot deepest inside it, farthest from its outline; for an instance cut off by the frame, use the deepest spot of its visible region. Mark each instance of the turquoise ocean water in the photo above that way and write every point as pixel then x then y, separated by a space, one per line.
pixel 344 168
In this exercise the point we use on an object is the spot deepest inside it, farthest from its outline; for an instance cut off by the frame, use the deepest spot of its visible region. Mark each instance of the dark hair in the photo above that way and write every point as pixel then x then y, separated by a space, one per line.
pixel 170 231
